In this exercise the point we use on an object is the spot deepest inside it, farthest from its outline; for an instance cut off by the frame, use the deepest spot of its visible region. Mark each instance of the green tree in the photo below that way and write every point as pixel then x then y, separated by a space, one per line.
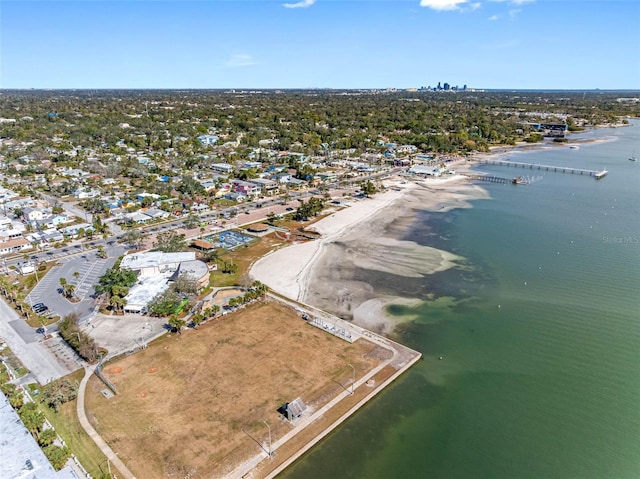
pixel 58 456
pixel 196 319
pixel 94 205
pixel 170 242
pixel 191 221
pixel 114 277
pixel 47 437
pixel 164 304
pixel 133 237
pixel 117 303
pixel 65 286
pixel 83 344
pixel 368 188
pixel 32 418
pixel 177 323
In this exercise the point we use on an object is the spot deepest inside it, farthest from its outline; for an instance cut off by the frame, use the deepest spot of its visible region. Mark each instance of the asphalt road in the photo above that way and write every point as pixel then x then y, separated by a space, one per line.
pixel 34 354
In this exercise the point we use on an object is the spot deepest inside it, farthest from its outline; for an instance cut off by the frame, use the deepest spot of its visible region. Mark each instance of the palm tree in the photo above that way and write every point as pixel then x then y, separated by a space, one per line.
pixel 196 319
pixel 176 323
pixel 117 302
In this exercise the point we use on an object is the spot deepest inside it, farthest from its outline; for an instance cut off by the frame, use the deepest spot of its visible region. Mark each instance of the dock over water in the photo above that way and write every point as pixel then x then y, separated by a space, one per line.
pixel 490 178
pixel 536 166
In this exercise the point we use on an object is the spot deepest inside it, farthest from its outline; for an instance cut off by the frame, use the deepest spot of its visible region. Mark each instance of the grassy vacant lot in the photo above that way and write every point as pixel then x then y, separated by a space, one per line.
pixel 190 403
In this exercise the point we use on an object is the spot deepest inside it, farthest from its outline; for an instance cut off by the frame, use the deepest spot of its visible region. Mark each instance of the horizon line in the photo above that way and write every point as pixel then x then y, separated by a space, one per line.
pixel 390 89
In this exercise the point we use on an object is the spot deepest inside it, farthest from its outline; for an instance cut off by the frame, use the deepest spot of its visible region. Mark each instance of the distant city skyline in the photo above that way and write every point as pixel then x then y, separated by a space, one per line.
pixel 493 44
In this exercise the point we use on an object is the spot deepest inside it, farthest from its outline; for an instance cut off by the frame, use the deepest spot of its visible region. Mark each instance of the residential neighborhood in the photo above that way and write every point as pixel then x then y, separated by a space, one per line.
pixel 135 222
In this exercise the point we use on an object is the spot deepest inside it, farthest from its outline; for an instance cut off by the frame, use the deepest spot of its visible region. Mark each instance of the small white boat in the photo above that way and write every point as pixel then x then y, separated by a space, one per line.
pixel 574 147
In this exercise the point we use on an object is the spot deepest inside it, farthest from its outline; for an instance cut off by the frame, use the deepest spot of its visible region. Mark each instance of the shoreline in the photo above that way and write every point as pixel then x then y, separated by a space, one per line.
pixel 363 236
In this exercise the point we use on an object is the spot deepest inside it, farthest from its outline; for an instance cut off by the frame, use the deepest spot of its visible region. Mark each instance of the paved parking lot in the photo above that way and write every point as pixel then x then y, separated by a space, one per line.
pixel 120 334
pixel 63 353
pixel 88 267
pixel 36 357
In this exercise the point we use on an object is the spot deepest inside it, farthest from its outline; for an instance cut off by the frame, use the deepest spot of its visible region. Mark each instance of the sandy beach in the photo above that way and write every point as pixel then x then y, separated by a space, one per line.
pixel 360 242
pixel 363 237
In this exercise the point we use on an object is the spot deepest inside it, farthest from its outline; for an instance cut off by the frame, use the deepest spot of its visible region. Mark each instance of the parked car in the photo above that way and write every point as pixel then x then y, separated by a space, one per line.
pixel 40 308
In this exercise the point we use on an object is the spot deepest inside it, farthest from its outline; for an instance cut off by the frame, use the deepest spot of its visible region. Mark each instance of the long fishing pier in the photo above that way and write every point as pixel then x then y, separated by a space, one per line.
pixel 536 166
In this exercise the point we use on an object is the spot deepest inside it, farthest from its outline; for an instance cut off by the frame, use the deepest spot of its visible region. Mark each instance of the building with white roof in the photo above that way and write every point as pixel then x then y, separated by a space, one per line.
pixel 21 457
pixel 155 263
pixel 155 270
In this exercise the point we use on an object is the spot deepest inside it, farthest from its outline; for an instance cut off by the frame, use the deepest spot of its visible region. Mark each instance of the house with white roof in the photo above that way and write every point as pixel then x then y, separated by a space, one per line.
pixel 138 218
pixel 224 168
pixel 208 140
pixel 34 214
pixel 156 213
pixel 266 186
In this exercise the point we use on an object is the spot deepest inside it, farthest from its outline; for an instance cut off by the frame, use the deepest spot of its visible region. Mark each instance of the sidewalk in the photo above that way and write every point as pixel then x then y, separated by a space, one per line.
pixel 93 434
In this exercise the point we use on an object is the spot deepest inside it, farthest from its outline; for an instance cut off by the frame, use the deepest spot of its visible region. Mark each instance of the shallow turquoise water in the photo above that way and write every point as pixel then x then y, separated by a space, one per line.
pixel 540 334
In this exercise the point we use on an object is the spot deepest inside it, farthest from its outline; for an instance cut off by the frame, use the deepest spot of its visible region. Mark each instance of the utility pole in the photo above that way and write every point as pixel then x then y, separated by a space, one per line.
pixel 353 380
pixel 270 452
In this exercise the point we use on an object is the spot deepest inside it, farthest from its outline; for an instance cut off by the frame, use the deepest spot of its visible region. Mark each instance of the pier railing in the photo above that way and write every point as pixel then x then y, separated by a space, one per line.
pixel 537 166
pixel 492 179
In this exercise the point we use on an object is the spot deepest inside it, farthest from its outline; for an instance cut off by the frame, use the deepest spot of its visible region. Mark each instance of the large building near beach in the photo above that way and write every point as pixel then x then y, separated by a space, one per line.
pixel 156 270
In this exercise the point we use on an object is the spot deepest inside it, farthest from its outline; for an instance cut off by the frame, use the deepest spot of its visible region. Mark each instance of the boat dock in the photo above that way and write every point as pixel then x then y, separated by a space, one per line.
pixel 536 166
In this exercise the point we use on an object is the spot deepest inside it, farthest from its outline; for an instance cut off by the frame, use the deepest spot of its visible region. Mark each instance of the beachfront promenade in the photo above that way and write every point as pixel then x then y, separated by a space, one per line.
pixel 402 358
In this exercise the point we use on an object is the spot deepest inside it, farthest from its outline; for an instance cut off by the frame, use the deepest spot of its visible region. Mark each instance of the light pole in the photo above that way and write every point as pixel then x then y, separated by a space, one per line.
pixel 353 379
pixel 269 428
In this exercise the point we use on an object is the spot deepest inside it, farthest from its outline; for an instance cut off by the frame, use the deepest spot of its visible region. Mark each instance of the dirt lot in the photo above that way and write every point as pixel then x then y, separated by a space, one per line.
pixel 194 405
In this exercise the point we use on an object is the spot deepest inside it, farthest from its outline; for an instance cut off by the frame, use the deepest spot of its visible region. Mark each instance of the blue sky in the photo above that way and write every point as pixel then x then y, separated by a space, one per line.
pixel 573 44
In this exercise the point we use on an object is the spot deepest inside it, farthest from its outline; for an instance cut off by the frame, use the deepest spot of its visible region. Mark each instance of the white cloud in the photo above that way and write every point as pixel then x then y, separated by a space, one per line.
pixel 301 4
pixel 514 12
pixel 240 60
pixel 443 5
pixel 493 18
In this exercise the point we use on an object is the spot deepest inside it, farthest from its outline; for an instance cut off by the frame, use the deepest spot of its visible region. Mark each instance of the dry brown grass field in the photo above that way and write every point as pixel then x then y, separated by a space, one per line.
pixel 187 406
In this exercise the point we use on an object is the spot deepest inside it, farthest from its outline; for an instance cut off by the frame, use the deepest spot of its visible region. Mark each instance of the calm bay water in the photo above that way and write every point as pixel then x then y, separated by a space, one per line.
pixel 539 333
